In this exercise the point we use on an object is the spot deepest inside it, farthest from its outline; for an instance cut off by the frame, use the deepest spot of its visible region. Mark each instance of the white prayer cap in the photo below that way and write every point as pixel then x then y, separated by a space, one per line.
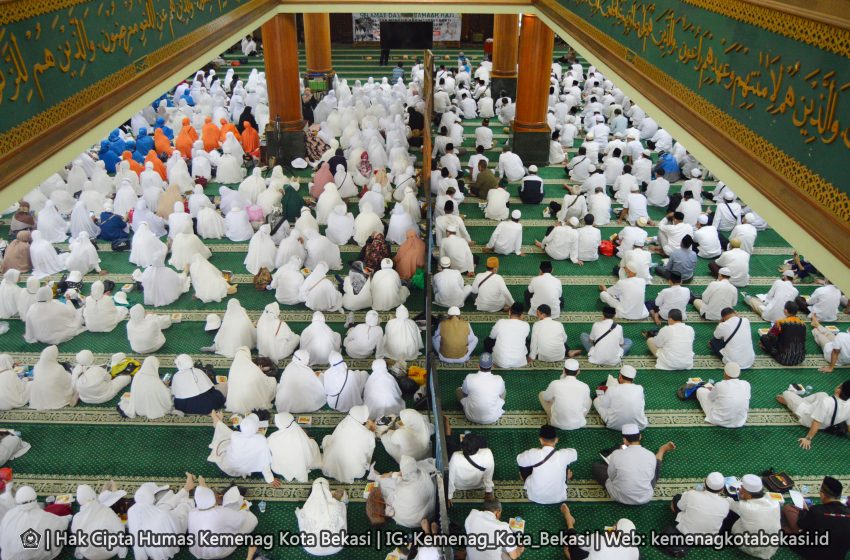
pixel 75 276
pixel 642 221
pixel 729 195
pixel 387 263
pixel 589 136
pixel 445 262
pixel 647 153
pixel 702 219
pixel 25 495
pixel 696 172
pixel 634 188
pixel 451 228
pixel 626 526
pixel 204 498
pixel 630 430
pixel 788 273
pixel 631 136
pixel 629 372
pixel 752 483
pixel 725 271
pixel 232 497
pixel 117 358
pixel 516 214
pixel 213 322
pixel 618 135
pixel 591 168
pixel 749 217
pixel 573 221
pixel 454 311
pixel 732 369
pixel 120 298
pixel 571 364
pixel 299 163
pixel 532 168
pixel 600 118
pixel 715 481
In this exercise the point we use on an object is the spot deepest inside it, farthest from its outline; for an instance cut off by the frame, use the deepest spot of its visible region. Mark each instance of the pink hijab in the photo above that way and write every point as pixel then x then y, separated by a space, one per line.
pixel 322 178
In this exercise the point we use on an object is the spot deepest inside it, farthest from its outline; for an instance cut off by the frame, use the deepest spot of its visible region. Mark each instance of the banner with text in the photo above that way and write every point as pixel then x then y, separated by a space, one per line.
pixel 367 27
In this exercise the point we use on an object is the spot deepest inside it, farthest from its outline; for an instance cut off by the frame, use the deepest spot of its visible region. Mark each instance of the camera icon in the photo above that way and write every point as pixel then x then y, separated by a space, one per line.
pixel 30 539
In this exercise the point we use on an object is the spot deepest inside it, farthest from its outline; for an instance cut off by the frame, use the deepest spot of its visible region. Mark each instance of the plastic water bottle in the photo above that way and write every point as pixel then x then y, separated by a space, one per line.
pixel 262 506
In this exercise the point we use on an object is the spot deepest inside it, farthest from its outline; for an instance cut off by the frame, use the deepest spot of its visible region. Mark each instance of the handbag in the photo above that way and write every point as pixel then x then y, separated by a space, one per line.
pixel 718 344
pixel 839 429
pixel 262 279
pixel 777 482
pixel 120 245
pixel 376 507
pixel 606 248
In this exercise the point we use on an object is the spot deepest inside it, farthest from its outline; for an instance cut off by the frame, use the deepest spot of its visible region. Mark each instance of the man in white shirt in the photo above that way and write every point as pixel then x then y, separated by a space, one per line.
pixel 547 482
pixel 675 296
pixel 473 162
pixel 642 169
pixel 589 238
pixel 605 345
pixel 442 101
pixel 727 213
pixel 548 338
pixel 578 167
pixel 457 249
pixel 630 235
pixel 510 166
pixel 484 135
pixel 835 346
pixel 726 404
pixel 824 302
pixel 746 233
pixel 694 184
pixel 603 550
pixel 544 288
pixel 690 208
pixel 756 513
pixel 468 107
pixel 449 290
pixel 674 344
pixel 599 206
pixel 531 190
pixel 561 242
pixel 497 203
pixel 440 143
pixel 507 339
pixel 487 522
pixel 702 511
pixel 657 192
pixel 482 394
pixel 634 206
pixel 471 468
pixel 566 401
pixel 671 231
pixel 451 162
pixel 771 306
pixel 507 237
pixel 733 340
pixel 492 292
pixel 736 261
pixel 630 472
pixel 661 140
pixel 449 217
pixel 627 296
pixel 707 239
pixel 718 295
pixel 622 402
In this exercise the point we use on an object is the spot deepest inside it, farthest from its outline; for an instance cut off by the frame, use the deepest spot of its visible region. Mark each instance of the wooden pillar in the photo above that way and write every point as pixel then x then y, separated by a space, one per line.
pixel 503 76
pixel 531 131
pixel 280 46
pixel 317 43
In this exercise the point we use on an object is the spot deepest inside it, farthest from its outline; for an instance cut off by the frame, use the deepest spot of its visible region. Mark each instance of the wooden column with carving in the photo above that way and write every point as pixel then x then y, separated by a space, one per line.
pixel 505 40
pixel 286 139
pixel 531 133
pixel 317 43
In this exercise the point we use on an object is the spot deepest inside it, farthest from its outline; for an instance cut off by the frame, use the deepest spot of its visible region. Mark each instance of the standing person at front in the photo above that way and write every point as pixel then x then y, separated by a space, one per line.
pixel 546 470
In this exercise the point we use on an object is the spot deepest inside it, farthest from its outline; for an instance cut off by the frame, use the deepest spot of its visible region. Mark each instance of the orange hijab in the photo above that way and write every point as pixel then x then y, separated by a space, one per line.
pixel 158 166
pixel 134 165
pixel 410 256
pixel 189 129
pixel 250 138
pixel 184 142
pixel 210 135
pixel 162 143
pixel 228 127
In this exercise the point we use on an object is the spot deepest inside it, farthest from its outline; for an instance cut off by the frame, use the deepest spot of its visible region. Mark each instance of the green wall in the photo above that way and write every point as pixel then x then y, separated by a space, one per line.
pixel 47 57
pixel 789 84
